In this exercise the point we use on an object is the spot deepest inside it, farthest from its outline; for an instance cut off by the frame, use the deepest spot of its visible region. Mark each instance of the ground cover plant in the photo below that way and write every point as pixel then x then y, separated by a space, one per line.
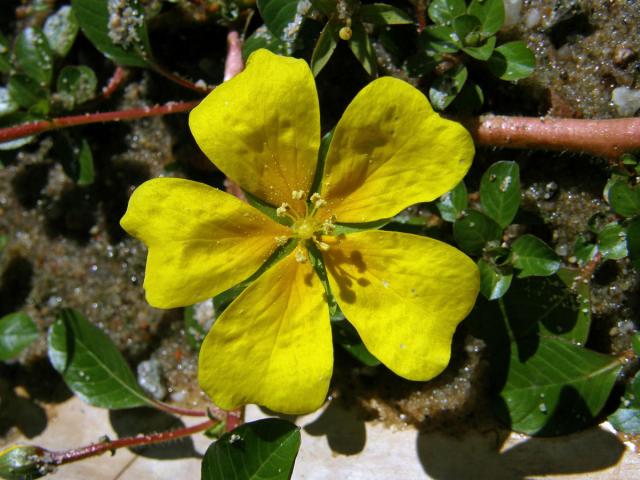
pixel 426 211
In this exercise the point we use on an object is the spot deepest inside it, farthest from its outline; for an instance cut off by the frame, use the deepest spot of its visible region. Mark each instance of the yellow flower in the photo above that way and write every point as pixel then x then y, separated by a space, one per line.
pixel 405 294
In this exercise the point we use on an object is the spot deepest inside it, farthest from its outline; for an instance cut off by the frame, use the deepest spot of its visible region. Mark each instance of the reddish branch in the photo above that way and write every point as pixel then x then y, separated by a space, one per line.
pixel 68 456
pixel 32 128
pixel 118 77
pixel 606 138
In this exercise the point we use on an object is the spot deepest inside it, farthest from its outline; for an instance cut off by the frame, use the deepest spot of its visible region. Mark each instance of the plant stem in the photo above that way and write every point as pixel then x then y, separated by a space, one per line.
pixel 119 76
pixel 186 411
pixel 606 138
pixel 183 82
pixel 32 128
pixel 73 455
pixel 233 63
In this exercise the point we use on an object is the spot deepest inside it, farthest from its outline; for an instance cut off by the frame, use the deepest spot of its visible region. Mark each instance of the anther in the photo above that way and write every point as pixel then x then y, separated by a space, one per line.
pixel 281 211
pixel 301 257
pixel 297 194
pixel 317 200
pixel 321 245
pixel 281 240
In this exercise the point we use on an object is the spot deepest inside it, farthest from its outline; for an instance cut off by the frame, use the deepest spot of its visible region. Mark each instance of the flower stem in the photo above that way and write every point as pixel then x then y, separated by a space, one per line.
pixel 116 80
pixel 607 138
pixel 183 82
pixel 73 455
pixel 32 128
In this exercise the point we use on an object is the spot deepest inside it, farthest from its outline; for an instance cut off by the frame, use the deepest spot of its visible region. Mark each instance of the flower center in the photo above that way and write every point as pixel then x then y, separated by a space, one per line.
pixel 307 227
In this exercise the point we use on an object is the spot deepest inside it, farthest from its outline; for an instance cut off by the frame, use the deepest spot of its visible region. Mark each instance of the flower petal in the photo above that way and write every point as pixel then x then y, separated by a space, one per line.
pixel 405 295
pixel 391 150
pixel 262 127
pixel 272 345
pixel 201 241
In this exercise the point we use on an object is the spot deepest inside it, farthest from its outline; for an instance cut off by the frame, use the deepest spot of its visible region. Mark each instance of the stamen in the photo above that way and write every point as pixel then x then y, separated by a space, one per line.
pixel 317 200
pixel 281 240
pixel 301 257
pixel 321 245
pixel 281 211
pixel 328 226
pixel 297 194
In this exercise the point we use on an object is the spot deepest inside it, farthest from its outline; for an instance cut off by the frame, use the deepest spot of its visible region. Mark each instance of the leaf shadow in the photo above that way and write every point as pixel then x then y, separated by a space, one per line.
pixel 137 421
pixel 447 457
pixel 345 431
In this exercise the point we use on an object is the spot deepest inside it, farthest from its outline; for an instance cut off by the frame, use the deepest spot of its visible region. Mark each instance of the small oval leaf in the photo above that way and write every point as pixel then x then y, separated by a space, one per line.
pixel 512 61
pixel 61 29
pixel 33 55
pixel 474 230
pixel 453 203
pixel 91 365
pixel 500 192
pixel 17 332
pixel 261 450
pixel 533 257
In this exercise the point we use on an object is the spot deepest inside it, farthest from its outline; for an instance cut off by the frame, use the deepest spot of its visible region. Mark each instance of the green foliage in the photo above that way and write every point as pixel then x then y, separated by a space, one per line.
pixel 17 332
pixel 361 46
pixel 512 61
pixel 474 230
pixel 75 156
pixel 446 87
pixel 383 14
pixel 277 15
pixel 261 450
pixel 494 282
pixel 624 199
pixel 453 203
pixel 627 417
pixel 123 39
pixel 33 56
pixel 559 389
pixel 76 85
pixel 445 11
pixel 61 29
pixel 91 365
pixel 533 257
pixel 327 43
pixel 500 192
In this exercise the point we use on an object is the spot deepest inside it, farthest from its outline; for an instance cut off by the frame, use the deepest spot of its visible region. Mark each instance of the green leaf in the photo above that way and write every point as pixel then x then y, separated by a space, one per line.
pixel 490 13
pixel 7 104
pixel 346 228
pixel 76 85
pixel 325 6
pixel 127 41
pixel 347 337
pixel 481 52
pixel 474 230
pixel 5 64
pixel 469 100
pixel 534 307
pixel 194 332
pixel 584 250
pixel 444 11
pixel 633 242
pixel 635 343
pixel 263 38
pixel 500 192
pixel 91 365
pixel 624 199
pixel 626 420
pixel 383 14
pixel 33 55
pixel 16 118
pixel 533 257
pixel 467 29
pixel 437 39
pixel 262 450
pixel 444 89
pixel 17 332
pixel 452 204
pixel 326 45
pixel 612 242
pixel 278 15
pixel 559 389
pixel 27 93
pixel 362 48
pixel 493 283
pixel 75 156
pixel 512 61
pixel 61 29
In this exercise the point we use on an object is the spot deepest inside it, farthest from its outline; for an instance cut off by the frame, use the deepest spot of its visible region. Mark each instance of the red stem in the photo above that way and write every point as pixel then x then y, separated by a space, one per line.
pixel 115 81
pixel 68 456
pixel 233 63
pixel 186 411
pixel 606 138
pixel 32 128
pixel 177 79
